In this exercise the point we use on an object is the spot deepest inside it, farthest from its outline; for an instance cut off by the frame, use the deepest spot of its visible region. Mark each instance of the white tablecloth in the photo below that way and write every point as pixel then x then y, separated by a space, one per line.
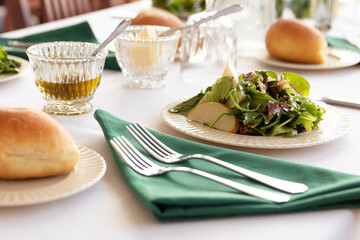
pixel 109 210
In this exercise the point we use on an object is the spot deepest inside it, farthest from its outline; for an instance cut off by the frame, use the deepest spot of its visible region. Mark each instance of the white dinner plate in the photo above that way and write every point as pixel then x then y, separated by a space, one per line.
pixel 338 58
pixel 25 65
pixel 89 170
pixel 335 125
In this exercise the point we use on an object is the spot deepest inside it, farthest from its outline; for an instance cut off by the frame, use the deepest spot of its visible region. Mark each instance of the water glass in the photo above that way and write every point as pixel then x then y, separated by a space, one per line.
pixel 317 13
pixel 206 49
pixel 67 75
pixel 145 61
pixel 211 41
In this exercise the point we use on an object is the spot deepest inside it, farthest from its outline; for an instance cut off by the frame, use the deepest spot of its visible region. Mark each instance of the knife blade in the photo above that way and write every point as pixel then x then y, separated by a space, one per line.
pixel 20 44
pixel 338 101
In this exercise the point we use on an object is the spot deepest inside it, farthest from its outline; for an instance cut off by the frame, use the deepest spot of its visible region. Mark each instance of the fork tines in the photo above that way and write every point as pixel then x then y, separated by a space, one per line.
pixel 128 152
pixel 149 141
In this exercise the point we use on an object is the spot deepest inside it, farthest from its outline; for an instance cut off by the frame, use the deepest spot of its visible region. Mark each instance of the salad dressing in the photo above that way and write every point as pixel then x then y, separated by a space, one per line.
pixel 73 90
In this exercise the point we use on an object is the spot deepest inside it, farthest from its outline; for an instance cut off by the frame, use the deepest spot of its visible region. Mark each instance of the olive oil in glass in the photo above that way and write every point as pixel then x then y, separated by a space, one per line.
pixel 67 75
pixel 70 91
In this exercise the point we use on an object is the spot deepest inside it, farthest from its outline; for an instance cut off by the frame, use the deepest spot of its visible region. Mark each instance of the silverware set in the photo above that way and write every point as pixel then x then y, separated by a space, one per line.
pixel 163 153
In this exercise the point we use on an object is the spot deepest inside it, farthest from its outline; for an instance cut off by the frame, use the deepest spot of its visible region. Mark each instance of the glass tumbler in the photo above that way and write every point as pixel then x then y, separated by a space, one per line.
pixel 67 75
pixel 145 61
pixel 317 13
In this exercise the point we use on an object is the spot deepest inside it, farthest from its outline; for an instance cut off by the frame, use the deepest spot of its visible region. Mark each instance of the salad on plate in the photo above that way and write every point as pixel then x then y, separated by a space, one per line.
pixel 8 65
pixel 259 103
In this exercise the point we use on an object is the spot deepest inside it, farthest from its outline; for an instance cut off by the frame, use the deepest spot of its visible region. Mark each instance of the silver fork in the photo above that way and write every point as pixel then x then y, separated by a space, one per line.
pixel 144 166
pixel 165 154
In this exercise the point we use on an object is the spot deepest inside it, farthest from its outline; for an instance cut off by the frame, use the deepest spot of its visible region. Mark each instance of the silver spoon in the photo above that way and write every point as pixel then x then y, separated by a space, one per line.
pixel 121 27
pixel 223 12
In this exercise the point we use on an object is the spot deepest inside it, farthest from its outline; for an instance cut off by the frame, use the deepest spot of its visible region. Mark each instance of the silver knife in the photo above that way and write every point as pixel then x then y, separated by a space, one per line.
pixel 338 101
pixel 20 44
pixel 24 45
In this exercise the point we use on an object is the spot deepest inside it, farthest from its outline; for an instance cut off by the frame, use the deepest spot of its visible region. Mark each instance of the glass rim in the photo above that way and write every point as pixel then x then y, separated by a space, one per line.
pixel 102 54
pixel 175 36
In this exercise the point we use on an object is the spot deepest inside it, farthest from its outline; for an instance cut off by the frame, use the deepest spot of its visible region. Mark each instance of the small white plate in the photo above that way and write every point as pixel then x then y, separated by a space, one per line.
pixel 335 125
pixel 337 58
pixel 89 170
pixel 25 65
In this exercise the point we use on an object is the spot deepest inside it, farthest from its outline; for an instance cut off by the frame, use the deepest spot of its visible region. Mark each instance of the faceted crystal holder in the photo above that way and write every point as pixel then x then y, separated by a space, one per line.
pixel 66 75
pixel 145 61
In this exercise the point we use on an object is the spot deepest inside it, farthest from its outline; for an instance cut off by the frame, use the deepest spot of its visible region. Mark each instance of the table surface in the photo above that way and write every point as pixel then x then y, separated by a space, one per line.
pixel 109 210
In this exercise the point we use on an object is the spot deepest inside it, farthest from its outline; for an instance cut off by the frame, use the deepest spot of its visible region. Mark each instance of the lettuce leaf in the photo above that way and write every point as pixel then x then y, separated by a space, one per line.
pixel 300 83
pixel 222 87
pixel 185 107
pixel 209 97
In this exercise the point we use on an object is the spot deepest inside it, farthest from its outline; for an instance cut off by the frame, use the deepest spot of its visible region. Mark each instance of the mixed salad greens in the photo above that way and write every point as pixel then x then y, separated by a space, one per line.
pixel 263 103
pixel 181 8
pixel 8 65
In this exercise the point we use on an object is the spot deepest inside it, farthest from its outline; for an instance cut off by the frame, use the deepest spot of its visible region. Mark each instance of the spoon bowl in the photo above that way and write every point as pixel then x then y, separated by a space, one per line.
pixel 233 8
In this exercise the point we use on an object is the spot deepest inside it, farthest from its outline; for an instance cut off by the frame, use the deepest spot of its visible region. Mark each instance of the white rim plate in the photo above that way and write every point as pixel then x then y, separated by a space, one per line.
pixel 347 58
pixel 89 170
pixel 335 125
pixel 25 65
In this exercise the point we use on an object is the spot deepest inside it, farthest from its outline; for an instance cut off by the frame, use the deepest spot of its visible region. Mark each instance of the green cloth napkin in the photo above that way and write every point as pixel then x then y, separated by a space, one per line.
pixel 183 196
pixel 79 32
pixel 341 43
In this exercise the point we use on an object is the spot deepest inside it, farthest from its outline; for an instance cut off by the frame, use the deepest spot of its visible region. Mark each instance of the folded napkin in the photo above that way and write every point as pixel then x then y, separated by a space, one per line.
pixel 79 32
pixel 341 43
pixel 183 196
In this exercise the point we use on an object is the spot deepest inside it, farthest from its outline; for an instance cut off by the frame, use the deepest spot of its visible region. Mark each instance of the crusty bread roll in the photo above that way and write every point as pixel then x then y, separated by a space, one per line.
pixel 33 144
pixel 159 17
pixel 293 40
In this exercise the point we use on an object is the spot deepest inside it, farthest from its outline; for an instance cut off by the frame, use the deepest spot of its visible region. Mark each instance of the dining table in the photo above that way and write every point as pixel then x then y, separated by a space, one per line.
pixel 110 210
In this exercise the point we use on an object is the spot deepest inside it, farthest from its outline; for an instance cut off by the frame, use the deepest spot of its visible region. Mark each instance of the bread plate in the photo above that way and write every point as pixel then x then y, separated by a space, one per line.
pixel 25 66
pixel 336 58
pixel 89 170
pixel 335 125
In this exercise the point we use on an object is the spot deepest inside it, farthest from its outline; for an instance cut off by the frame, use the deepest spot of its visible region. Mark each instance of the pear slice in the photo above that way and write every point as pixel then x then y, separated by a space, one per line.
pixel 240 96
pixel 148 32
pixel 231 72
pixel 207 113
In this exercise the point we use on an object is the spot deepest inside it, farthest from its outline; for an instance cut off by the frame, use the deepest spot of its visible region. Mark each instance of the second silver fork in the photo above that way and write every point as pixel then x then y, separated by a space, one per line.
pixel 144 166
pixel 165 154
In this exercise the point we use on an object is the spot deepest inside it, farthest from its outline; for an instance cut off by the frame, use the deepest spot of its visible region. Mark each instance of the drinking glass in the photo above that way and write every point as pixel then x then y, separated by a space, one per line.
pixel 317 13
pixel 206 49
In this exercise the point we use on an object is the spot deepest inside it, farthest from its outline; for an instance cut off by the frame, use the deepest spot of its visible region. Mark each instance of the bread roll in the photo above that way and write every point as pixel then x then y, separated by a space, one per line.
pixel 293 40
pixel 33 145
pixel 159 17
